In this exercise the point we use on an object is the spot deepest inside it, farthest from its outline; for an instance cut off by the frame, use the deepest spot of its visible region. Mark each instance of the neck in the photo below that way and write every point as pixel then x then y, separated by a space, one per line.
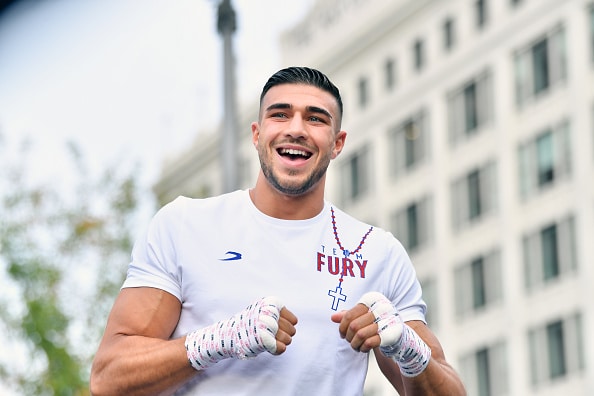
pixel 281 206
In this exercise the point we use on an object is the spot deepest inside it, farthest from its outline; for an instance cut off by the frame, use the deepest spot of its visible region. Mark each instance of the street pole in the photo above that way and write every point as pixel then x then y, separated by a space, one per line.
pixel 226 26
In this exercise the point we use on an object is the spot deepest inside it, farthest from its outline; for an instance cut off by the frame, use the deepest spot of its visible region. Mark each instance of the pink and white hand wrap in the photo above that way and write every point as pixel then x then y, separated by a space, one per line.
pixel 245 335
pixel 397 340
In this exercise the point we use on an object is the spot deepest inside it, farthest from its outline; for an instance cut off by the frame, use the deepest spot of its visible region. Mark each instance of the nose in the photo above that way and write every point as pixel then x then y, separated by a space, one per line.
pixel 296 127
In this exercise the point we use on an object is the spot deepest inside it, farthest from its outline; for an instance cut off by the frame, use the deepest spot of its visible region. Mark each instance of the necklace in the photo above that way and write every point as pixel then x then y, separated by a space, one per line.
pixel 337 294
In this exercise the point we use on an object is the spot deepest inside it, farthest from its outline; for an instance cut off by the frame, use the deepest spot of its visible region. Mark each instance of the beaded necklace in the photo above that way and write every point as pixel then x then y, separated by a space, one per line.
pixel 337 294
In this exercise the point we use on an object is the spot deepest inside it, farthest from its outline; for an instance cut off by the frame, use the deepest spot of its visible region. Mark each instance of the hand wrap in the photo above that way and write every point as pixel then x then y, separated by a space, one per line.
pixel 397 340
pixel 245 335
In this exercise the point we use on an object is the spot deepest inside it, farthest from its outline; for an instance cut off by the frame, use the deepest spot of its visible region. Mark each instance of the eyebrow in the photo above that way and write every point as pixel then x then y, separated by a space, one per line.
pixel 310 109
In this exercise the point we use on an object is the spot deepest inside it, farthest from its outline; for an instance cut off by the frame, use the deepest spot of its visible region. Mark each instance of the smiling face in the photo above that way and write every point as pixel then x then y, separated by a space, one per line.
pixel 297 136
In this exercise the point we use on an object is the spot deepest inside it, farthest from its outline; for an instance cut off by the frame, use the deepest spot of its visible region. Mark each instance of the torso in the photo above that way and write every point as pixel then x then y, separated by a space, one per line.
pixel 226 254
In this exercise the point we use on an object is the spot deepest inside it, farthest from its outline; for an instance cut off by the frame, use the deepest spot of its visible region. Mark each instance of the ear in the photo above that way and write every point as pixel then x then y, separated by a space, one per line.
pixel 339 140
pixel 255 133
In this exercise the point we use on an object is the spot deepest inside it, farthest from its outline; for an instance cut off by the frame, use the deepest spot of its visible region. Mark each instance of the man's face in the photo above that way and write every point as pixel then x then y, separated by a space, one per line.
pixel 297 136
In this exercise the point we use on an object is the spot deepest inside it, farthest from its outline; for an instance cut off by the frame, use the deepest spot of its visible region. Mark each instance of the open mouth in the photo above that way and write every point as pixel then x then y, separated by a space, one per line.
pixel 294 154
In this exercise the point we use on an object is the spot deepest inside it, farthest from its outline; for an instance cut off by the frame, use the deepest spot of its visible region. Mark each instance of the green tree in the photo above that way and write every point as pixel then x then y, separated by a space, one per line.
pixel 64 247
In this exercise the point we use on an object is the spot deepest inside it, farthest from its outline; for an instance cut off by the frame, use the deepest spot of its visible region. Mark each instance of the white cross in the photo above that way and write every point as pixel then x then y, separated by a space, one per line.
pixel 337 296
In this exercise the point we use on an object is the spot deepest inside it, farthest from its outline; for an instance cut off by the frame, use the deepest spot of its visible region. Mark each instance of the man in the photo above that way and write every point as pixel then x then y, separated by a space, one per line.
pixel 247 293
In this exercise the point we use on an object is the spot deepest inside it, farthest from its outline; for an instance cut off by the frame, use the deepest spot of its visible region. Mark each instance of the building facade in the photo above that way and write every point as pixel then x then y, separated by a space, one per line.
pixel 471 138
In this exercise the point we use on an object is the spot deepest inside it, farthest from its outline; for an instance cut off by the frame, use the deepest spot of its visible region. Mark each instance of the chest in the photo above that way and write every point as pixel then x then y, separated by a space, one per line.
pixel 306 268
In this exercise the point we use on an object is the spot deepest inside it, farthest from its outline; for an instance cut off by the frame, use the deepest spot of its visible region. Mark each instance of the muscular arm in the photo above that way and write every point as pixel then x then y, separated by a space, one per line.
pixel 135 355
pixel 359 328
pixel 439 378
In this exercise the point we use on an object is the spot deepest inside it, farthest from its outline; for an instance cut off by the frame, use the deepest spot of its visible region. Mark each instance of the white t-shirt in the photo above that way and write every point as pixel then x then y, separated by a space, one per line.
pixel 218 255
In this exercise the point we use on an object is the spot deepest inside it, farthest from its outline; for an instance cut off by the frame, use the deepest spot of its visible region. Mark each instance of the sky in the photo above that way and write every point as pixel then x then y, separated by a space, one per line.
pixel 128 79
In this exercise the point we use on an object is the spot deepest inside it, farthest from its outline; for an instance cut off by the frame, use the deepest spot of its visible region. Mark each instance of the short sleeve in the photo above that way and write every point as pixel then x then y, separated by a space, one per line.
pixel 154 261
pixel 405 289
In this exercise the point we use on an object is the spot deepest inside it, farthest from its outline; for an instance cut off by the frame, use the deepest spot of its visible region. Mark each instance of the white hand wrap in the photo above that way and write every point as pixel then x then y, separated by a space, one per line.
pixel 247 334
pixel 397 340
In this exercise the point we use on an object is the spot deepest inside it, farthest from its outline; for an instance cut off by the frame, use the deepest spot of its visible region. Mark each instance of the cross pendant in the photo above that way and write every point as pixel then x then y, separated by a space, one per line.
pixel 337 297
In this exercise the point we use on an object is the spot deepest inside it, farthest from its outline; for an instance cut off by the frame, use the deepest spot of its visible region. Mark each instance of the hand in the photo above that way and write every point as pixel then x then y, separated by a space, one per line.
pixel 371 323
pixel 263 326
pixel 286 331
pixel 375 322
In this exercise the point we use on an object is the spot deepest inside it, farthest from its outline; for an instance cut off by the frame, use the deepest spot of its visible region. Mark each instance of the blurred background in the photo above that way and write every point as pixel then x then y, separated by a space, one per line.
pixel 471 138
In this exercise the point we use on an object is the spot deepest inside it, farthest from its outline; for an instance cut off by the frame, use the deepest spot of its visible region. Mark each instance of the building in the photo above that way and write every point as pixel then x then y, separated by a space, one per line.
pixel 471 138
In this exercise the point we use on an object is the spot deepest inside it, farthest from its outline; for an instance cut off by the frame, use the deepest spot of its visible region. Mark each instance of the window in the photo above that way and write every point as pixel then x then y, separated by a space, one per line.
pixel 545 159
pixel 390 74
pixel 419 54
pixel 449 38
pixel 481 13
pixel 469 108
pixel 556 349
pixel 473 196
pixel 408 144
pixel 479 295
pixel 470 104
pixel 484 371
pixel 549 253
pixel 431 298
pixel 540 66
pixel 554 334
pixel 355 176
pixel 478 283
pixel 363 92
pixel 411 224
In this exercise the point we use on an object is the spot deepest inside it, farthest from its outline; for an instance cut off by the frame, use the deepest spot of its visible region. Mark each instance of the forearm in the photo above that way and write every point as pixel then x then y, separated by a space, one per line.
pixel 438 379
pixel 137 365
pixel 409 354
pixel 141 365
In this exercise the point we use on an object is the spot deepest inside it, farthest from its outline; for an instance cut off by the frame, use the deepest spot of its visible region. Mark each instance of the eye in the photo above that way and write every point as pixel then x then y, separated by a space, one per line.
pixel 278 115
pixel 315 118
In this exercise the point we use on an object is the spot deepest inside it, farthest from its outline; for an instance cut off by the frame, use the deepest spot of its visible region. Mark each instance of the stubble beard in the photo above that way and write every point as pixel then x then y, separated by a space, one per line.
pixel 292 188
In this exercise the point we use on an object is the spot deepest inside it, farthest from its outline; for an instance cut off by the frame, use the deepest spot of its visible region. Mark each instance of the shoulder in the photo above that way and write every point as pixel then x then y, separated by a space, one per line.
pixel 184 205
pixel 345 219
pixel 380 235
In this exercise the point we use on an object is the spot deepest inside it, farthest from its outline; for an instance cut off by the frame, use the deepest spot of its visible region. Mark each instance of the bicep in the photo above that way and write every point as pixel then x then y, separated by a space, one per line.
pixel 144 311
pixel 136 352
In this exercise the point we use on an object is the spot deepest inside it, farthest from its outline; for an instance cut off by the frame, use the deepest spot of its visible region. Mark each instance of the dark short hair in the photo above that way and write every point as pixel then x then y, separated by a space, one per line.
pixel 303 75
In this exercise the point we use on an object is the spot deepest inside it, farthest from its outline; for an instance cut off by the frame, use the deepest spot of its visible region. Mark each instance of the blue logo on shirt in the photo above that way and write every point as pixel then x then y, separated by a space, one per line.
pixel 232 256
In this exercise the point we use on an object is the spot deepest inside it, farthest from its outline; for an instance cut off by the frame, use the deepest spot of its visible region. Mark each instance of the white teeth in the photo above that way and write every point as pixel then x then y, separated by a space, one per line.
pixel 294 152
